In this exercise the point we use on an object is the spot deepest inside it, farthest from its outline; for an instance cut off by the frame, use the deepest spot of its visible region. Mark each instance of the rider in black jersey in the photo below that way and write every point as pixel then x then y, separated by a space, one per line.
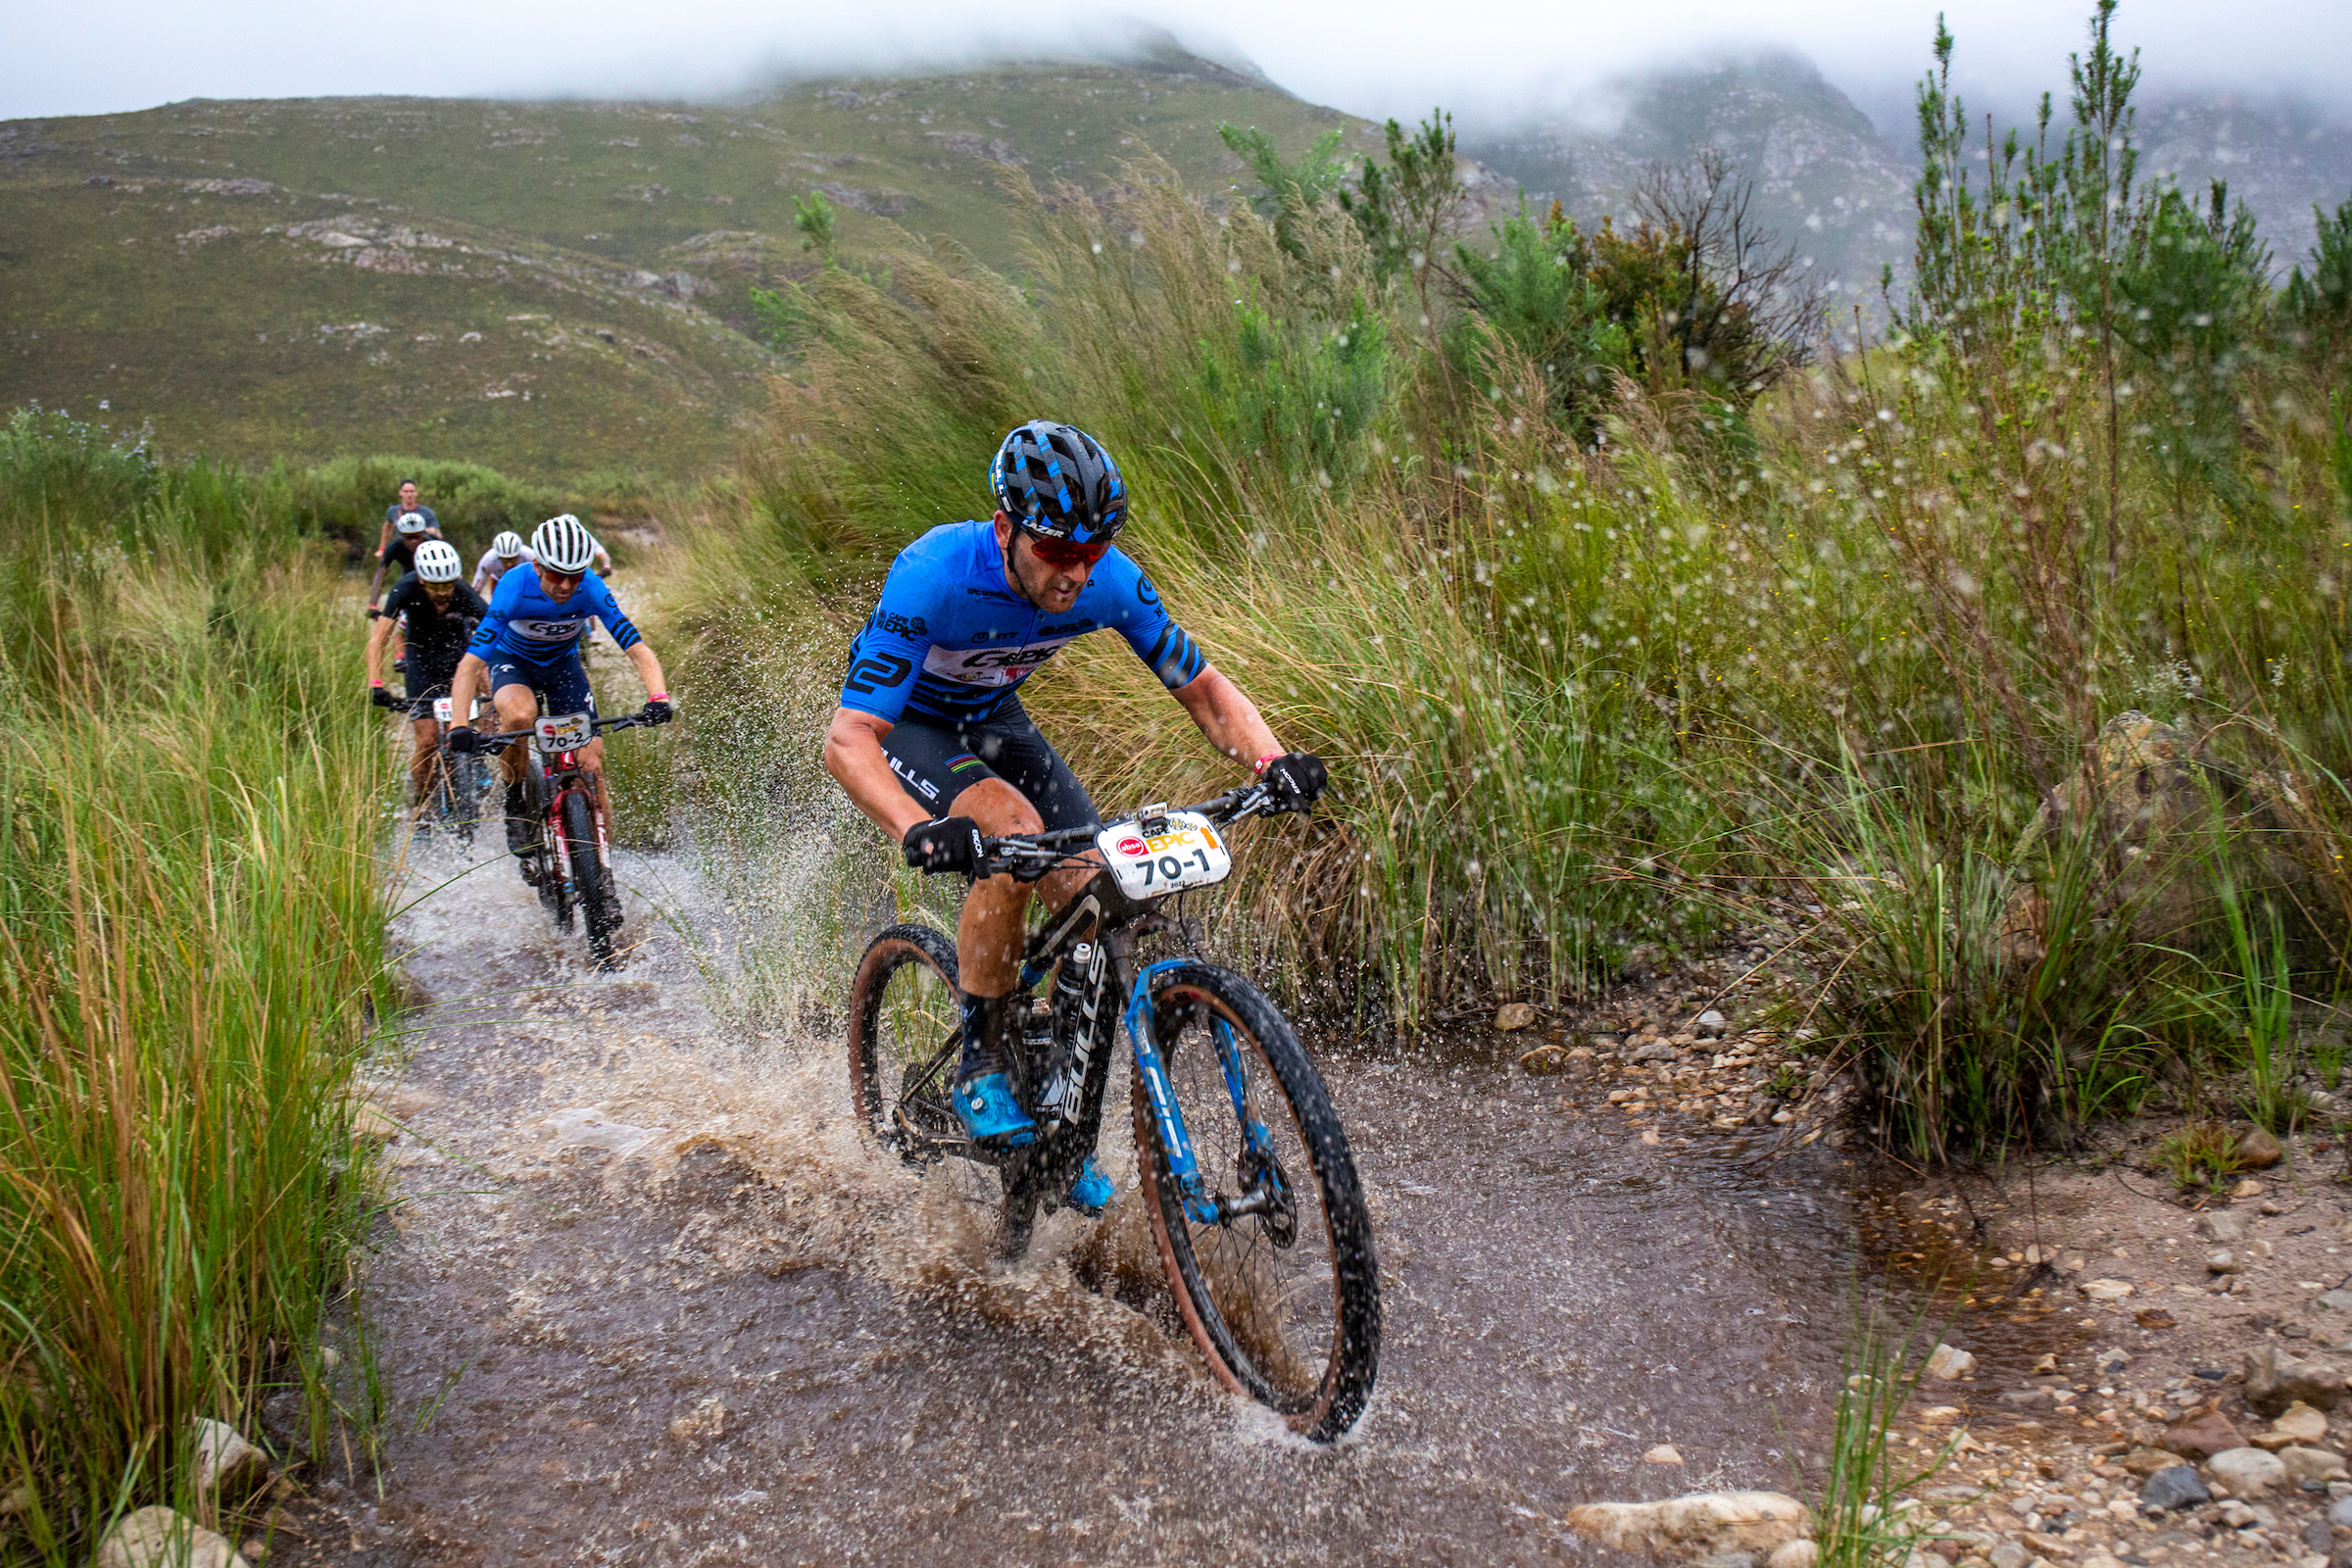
pixel 441 612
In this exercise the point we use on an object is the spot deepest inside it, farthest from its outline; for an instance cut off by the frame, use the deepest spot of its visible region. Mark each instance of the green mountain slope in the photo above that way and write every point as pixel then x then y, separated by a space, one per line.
pixel 262 320
pixel 549 288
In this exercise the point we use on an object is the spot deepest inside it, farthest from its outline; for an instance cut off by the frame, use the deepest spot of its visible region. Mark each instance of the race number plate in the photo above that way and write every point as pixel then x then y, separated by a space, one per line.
pixel 441 709
pixel 563 732
pixel 1186 852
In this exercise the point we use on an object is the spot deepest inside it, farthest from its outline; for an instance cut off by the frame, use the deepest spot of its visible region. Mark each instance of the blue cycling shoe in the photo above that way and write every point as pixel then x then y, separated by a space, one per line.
pixel 990 1116
pixel 1090 1191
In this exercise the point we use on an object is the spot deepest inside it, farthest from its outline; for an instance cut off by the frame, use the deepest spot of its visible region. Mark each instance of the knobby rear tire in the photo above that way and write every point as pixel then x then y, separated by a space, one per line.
pixel 894 1029
pixel 590 878
pixel 1284 1319
pixel 870 1061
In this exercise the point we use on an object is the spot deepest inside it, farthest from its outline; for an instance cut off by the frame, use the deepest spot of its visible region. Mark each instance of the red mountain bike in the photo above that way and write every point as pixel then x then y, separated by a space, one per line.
pixel 570 864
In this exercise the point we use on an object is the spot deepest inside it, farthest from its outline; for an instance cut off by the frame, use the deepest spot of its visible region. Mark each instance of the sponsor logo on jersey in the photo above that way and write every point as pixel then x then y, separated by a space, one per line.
pixel 890 621
pixel 549 631
pixel 988 667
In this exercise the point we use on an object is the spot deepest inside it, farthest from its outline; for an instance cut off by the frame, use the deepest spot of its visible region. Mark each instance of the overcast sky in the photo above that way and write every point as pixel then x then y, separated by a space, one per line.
pixel 1371 57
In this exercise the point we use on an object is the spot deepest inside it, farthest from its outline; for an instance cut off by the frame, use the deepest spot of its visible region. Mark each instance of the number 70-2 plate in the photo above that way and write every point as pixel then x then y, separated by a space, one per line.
pixel 564 732
pixel 1186 854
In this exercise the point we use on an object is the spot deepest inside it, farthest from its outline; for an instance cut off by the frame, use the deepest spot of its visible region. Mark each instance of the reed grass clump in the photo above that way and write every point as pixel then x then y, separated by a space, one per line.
pixel 190 948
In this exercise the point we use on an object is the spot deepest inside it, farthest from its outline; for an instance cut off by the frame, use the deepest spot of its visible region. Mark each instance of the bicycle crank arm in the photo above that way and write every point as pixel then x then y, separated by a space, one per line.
pixel 1167 1114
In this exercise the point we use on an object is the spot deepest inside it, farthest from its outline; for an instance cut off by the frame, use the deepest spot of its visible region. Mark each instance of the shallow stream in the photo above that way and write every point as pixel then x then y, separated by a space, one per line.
pixel 646 1299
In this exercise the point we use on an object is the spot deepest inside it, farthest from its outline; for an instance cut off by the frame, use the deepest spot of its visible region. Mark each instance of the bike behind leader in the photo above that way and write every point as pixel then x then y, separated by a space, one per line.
pixel 1246 1173
pixel 453 802
pixel 569 862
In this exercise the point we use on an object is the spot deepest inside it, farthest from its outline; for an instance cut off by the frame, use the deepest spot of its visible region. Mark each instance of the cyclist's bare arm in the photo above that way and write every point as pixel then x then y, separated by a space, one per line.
pixel 648 668
pixel 1229 718
pixel 377 636
pixel 854 756
pixel 470 677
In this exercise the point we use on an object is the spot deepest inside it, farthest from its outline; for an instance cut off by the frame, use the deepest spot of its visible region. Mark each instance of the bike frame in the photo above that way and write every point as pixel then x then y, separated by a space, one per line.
pixel 1104 911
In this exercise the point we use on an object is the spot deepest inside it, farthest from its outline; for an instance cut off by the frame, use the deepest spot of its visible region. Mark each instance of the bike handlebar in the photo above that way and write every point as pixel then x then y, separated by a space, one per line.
pixel 596 726
pixel 1027 856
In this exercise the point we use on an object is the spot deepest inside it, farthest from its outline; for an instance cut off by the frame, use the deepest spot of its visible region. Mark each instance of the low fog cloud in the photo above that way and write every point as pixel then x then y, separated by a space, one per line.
pixel 1491 60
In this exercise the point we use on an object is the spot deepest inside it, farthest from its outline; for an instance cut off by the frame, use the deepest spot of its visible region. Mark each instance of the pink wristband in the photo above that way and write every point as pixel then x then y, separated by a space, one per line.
pixel 1259 767
pixel 659 697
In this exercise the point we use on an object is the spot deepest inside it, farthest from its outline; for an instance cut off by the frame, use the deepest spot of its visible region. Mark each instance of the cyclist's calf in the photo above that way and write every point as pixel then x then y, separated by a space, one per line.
pixel 425 759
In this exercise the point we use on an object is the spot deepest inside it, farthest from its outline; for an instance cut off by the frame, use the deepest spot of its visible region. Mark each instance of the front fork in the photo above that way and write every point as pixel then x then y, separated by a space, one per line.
pixel 1183 1164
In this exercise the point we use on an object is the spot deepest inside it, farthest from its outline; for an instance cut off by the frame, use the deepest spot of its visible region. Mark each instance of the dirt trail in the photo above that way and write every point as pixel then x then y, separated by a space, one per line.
pixel 647 1299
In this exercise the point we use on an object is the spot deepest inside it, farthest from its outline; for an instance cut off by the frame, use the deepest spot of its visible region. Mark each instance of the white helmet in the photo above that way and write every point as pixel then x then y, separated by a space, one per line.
pixel 437 561
pixel 411 522
pixel 507 546
pixel 561 542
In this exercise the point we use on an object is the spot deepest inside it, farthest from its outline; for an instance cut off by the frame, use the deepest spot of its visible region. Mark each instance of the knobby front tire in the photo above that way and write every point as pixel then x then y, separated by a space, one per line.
pixel 590 878
pixel 1286 1308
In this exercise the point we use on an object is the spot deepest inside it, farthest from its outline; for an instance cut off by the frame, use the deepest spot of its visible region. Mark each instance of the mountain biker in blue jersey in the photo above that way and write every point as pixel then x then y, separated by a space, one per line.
pixel 932 744
pixel 528 646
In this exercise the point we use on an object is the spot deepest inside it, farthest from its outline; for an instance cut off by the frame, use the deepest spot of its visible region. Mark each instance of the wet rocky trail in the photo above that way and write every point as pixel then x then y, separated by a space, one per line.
pixel 642 1296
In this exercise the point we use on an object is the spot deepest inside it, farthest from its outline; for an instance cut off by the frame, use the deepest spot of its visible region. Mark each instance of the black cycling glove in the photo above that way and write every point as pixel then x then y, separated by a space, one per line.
pixel 463 740
pixel 380 697
pixel 945 844
pixel 658 711
pixel 1296 779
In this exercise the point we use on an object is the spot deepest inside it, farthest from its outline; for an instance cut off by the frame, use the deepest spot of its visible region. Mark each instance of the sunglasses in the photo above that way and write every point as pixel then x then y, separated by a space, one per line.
pixel 1063 553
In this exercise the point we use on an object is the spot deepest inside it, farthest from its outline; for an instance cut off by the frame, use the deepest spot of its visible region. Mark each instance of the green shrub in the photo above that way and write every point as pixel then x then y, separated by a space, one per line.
pixel 344 500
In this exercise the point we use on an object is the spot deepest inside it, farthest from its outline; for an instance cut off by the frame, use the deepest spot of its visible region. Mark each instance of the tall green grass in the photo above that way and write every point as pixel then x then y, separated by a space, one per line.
pixel 190 948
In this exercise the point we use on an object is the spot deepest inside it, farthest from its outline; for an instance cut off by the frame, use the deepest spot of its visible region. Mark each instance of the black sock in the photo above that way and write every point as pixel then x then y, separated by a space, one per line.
pixel 983 1034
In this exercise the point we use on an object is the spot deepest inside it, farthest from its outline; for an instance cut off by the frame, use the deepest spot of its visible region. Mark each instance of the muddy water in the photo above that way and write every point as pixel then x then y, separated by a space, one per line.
pixel 645 1299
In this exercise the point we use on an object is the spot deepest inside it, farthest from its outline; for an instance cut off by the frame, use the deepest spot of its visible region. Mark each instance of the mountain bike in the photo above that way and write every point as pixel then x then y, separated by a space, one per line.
pixel 455 800
pixel 570 864
pixel 1246 1173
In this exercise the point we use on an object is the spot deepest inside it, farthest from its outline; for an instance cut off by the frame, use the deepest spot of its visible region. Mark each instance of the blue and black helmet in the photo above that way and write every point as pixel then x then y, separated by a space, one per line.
pixel 1058 483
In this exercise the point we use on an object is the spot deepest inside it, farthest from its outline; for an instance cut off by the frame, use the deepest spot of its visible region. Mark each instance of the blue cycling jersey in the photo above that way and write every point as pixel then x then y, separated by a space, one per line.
pixel 524 623
pixel 950 641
